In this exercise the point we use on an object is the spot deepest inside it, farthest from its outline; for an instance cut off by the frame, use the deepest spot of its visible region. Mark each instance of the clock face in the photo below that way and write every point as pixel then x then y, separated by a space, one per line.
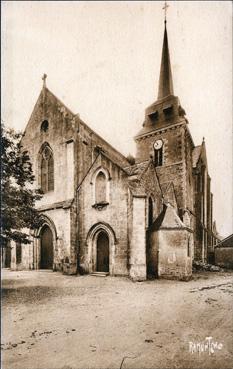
pixel 158 144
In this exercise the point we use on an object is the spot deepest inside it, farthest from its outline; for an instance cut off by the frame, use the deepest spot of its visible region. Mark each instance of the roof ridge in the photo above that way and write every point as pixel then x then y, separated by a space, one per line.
pixel 225 239
pixel 85 124
pixel 61 102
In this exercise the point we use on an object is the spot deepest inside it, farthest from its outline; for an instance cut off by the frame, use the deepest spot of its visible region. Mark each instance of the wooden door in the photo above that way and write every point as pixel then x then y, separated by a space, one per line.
pixel 46 258
pixel 102 253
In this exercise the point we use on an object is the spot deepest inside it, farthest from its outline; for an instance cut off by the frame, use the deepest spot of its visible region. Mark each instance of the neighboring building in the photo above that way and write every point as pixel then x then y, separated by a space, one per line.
pixel 224 253
pixel 215 238
pixel 6 256
pixel 108 213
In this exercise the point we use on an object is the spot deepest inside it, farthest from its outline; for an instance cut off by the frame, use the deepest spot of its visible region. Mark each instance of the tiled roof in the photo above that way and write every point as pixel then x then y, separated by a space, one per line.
pixel 134 180
pixel 165 186
pixel 227 242
pixel 167 219
pixel 136 189
pixel 137 169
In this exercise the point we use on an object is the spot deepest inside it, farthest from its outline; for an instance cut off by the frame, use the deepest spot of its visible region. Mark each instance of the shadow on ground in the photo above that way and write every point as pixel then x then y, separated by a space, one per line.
pixel 29 295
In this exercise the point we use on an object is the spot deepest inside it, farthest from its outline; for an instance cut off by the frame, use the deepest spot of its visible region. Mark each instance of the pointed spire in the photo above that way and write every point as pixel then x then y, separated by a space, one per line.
pixel 165 78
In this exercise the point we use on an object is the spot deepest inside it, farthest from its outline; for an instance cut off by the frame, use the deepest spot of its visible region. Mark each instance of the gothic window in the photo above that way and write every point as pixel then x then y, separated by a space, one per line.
pixel 150 212
pixel 50 173
pixel 158 152
pixel 43 174
pixel 158 157
pixel 100 188
pixel 47 170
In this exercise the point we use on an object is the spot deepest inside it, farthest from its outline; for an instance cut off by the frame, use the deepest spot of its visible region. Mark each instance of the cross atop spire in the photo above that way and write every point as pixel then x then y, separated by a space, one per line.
pixel 166 6
pixel 44 79
pixel 165 78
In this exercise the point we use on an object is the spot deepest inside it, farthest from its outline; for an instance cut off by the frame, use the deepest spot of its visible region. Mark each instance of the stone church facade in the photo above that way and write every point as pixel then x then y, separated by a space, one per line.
pixel 147 216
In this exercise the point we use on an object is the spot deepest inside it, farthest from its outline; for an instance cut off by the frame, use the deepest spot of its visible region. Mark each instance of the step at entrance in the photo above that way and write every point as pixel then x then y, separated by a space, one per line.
pixel 100 274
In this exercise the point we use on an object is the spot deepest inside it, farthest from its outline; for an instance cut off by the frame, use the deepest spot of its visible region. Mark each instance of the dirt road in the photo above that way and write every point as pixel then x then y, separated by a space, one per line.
pixel 51 321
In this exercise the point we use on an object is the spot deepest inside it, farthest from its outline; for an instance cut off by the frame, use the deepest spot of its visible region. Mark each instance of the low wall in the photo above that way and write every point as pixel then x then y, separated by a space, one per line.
pixel 224 257
pixel 174 259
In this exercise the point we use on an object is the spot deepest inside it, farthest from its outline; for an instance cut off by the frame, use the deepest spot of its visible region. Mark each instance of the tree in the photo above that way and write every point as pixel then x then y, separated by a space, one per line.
pixel 18 198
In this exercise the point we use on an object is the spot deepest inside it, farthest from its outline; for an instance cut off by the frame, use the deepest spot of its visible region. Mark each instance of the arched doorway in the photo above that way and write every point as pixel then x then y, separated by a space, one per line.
pixel 95 239
pixel 46 249
pixel 102 255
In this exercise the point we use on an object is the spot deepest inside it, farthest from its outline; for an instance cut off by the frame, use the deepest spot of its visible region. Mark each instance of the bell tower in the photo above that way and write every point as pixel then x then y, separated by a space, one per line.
pixel 165 136
pixel 165 112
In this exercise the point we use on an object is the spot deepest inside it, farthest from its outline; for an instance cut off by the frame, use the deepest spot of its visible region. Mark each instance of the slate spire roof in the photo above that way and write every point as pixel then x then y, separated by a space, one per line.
pixel 165 78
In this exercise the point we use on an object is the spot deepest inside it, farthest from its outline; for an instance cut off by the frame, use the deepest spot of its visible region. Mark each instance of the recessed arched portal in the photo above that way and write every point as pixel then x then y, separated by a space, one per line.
pixel 101 245
pixel 102 254
pixel 46 248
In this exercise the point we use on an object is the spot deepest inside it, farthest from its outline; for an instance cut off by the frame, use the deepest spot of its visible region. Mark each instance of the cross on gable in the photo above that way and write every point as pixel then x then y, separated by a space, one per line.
pixel 44 79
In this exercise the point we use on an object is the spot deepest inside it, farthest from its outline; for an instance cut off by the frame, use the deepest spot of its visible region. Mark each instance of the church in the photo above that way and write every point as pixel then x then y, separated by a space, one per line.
pixel 107 214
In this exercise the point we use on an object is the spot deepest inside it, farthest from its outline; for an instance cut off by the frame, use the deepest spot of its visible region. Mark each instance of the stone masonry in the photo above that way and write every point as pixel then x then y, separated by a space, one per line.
pixel 141 217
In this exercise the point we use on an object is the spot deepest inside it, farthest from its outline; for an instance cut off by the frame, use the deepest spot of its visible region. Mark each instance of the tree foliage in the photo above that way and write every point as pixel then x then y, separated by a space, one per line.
pixel 18 197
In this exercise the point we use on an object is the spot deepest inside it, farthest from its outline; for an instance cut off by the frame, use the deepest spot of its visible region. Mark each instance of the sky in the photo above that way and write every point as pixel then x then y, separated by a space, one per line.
pixel 102 60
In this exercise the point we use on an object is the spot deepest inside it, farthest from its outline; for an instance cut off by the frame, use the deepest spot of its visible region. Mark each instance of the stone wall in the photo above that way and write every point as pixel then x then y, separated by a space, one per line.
pixel 59 221
pixel 188 148
pixel 172 148
pixel 173 168
pixel 6 256
pixel 151 187
pixel 87 142
pixel 26 258
pixel 59 135
pixel 62 245
pixel 224 257
pixel 113 215
pixel 137 261
pixel 173 259
pixel 170 247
